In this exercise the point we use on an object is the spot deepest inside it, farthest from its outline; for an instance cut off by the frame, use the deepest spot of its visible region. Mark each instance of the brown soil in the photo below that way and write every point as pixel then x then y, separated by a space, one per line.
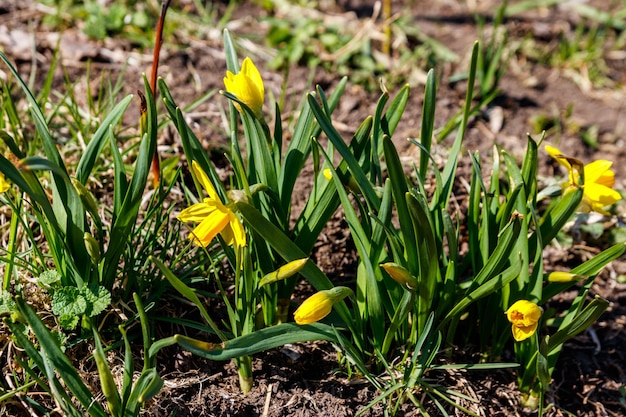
pixel 306 379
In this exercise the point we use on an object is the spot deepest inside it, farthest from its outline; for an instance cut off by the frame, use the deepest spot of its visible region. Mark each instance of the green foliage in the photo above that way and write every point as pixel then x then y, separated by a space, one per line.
pixel 127 18
pixel 416 289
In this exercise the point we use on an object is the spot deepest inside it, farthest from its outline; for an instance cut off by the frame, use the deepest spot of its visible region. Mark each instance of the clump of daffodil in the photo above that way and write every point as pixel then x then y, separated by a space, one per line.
pixel 524 317
pixel 319 305
pixel 4 184
pixel 247 86
pixel 599 179
pixel 213 216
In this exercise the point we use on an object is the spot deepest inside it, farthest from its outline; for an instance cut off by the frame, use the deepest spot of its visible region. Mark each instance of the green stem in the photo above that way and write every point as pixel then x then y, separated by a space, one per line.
pixel 148 360
pixel 12 243
pixel 244 368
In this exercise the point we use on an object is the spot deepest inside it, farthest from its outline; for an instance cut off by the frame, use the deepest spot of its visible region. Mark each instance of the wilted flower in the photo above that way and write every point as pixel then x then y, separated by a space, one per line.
pixel 599 180
pixel 213 215
pixel 4 184
pixel 524 316
pixel 319 305
pixel 247 86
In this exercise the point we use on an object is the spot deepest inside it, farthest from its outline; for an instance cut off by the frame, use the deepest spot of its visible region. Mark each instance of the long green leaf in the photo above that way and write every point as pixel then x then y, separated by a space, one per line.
pixel 99 140
pixel 428 122
pixel 59 360
pixel 259 341
pixel 485 289
pixel 344 151
pixel 188 293
pixel 588 268
pixel 580 323
pixel 399 189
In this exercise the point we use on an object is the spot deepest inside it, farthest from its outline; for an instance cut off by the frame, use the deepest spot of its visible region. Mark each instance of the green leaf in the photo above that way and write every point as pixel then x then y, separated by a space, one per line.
pixel 68 321
pixel 98 299
pixel 62 365
pixel 399 189
pixel 543 371
pixel 68 301
pixel 99 140
pixel 148 384
pixel 259 341
pixel 428 122
pixel 7 305
pixel 188 293
pixel 353 165
pixel 588 268
pixel 49 278
pixel 586 318
pixel 109 389
pixel 427 256
pixel 484 290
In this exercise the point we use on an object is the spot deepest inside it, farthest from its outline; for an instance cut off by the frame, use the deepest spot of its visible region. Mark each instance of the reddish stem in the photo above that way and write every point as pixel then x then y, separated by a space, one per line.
pixel 156 168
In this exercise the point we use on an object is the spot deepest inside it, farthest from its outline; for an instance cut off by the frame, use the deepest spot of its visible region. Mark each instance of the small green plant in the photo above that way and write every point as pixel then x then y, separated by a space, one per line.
pixel 45 362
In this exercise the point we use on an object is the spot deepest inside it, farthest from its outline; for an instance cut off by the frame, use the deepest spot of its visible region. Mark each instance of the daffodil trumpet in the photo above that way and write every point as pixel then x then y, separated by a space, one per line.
pixel 524 316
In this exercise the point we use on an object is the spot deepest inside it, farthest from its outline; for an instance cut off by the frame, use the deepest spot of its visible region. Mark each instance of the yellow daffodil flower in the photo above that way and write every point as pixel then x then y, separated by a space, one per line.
pixel 599 179
pixel 213 215
pixel 524 317
pixel 4 184
pixel 247 86
pixel 319 305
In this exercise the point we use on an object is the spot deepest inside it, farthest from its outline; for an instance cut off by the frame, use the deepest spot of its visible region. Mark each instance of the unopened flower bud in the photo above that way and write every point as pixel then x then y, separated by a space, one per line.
pixel 284 272
pixel 319 305
pixel 93 248
pixel 400 274
pixel 562 276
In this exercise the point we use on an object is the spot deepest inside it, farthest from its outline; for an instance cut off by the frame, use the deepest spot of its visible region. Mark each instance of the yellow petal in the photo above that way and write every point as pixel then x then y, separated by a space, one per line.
pixel 314 308
pixel 598 169
pixel 601 195
pixel 558 155
pixel 607 179
pixel 523 333
pixel 238 232
pixel 196 212
pixel 247 86
pixel 204 180
pixel 4 184
pixel 208 228
pixel 252 72
pixel 524 313
pixel 234 232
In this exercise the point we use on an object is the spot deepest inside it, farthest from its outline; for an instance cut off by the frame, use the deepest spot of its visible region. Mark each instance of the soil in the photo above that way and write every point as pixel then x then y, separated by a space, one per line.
pixel 307 379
